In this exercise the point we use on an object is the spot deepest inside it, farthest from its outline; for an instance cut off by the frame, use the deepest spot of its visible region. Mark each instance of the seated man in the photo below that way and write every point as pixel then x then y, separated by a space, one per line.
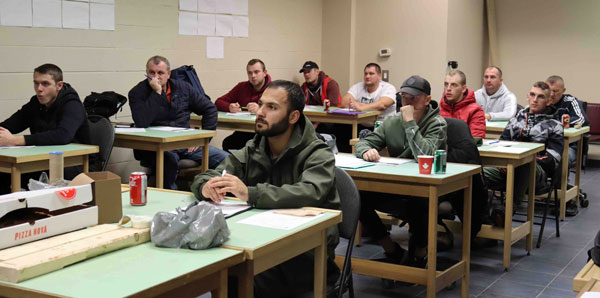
pixel 458 102
pixel 284 166
pixel 537 124
pixel 567 104
pixel 161 101
pixel 319 86
pixel 244 94
pixel 372 94
pixel 497 101
pixel 54 116
pixel 418 129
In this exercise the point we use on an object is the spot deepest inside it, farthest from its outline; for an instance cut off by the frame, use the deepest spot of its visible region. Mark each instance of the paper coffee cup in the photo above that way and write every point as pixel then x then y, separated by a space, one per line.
pixel 425 164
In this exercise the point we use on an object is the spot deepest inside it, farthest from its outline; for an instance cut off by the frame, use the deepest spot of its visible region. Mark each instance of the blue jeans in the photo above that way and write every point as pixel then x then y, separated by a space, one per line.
pixel 148 159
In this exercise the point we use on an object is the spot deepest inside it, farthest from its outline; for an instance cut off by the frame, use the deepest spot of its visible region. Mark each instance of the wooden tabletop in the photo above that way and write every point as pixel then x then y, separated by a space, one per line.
pixel 20 155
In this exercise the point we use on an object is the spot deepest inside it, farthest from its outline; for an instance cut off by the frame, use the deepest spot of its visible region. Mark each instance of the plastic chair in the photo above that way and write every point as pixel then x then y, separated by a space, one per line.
pixel 102 134
pixel 350 206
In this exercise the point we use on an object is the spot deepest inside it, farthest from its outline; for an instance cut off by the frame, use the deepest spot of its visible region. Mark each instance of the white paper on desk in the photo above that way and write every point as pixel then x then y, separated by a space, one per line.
pixel 393 161
pixel 350 162
pixel 215 48
pixel 15 13
pixel 313 108
pixel 76 15
pixel 129 129
pixel 47 13
pixel 499 143
pixel 239 114
pixel 102 16
pixel 507 149
pixel 206 24
pixel 15 147
pixel 240 26
pixel 272 220
pixel 170 128
pixel 224 25
pixel 188 23
pixel 231 208
pixel 591 295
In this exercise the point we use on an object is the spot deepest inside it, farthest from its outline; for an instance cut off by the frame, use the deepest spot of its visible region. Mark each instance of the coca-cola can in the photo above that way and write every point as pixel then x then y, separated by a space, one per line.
pixel 138 188
pixel 326 104
pixel 566 120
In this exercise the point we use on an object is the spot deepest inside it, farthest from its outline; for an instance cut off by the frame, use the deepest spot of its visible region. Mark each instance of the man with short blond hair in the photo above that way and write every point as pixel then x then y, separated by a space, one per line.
pixel 497 101
pixel 458 102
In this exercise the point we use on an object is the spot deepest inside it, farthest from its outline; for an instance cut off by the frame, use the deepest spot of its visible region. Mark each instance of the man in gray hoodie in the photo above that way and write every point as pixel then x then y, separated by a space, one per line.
pixel 497 101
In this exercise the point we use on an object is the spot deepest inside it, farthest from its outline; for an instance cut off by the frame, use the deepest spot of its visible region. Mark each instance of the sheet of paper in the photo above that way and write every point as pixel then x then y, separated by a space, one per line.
pixel 239 114
pixel 312 108
pixel 188 23
pixel 206 24
pixel 102 16
pixel 15 147
pixel 47 13
pixel 129 129
pixel 224 26
pixel 207 5
pixel 591 295
pixel 350 162
pixel 393 161
pixel 240 26
pixel 231 207
pixel 269 219
pixel 215 48
pixel 499 143
pixel 76 15
pixel 224 6
pixel 188 5
pixel 103 1
pixel 170 128
pixel 239 7
pixel 15 13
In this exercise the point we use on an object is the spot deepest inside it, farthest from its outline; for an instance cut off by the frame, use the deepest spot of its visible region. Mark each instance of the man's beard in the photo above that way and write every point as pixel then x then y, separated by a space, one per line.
pixel 275 129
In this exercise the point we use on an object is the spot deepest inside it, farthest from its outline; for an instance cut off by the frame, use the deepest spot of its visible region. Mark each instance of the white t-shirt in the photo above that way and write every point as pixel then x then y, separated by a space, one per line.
pixel 361 94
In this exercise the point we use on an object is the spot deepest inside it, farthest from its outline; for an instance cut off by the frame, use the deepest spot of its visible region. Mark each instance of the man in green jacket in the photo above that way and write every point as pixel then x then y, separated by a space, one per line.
pixel 418 129
pixel 284 166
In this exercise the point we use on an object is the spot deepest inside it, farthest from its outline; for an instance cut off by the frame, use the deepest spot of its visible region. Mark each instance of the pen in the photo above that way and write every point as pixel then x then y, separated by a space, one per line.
pixel 149 78
pixel 224 173
pixel 494 142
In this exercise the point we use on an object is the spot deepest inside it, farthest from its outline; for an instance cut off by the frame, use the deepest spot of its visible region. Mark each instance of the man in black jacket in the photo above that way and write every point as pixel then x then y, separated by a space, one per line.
pixel 161 101
pixel 54 116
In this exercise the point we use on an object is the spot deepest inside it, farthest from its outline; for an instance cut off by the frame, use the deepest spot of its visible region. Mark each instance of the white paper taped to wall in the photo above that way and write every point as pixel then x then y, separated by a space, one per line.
pixel 215 48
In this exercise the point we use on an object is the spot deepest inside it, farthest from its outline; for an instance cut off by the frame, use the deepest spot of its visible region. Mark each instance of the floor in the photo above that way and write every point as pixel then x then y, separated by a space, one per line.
pixel 547 272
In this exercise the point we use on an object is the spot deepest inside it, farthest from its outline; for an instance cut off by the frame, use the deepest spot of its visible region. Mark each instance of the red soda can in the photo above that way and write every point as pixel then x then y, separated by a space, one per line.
pixel 326 104
pixel 138 187
pixel 566 120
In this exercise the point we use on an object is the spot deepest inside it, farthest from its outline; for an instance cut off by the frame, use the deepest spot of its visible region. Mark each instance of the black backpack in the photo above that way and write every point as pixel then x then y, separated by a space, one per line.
pixel 104 104
pixel 188 74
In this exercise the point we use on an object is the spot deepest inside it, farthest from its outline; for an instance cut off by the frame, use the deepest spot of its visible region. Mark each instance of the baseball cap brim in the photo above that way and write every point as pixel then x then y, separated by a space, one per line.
pixel 410 90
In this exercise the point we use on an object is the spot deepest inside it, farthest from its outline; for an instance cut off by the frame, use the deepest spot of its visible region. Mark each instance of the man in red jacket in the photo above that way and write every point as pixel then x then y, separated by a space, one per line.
pixel 244 94
pixel 458 102
pixel 319 86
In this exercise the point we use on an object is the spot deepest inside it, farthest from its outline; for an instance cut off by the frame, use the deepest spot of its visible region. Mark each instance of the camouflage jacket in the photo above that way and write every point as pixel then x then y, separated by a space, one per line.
pixel 538 128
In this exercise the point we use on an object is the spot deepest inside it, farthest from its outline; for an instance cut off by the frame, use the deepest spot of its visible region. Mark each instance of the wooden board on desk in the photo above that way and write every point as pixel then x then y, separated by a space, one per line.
pixel 36 258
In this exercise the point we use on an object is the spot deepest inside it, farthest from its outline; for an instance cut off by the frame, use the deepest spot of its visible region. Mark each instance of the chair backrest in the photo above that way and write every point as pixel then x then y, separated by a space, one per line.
pixel 102 134
pixel 461 146
pixel 349 203
pixel 593 113
pixel 398 101
pixel 519 107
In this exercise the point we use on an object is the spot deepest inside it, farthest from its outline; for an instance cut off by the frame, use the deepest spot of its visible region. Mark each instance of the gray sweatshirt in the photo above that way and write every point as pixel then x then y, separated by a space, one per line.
pixel 501 105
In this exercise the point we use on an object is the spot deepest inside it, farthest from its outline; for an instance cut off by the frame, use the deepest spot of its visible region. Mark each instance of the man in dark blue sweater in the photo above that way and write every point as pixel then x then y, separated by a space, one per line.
pixel 161 101
pixel 54 116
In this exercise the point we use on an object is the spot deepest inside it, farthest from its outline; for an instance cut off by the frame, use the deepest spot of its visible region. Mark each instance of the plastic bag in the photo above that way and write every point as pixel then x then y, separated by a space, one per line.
pixel 201 225
pixel 44 183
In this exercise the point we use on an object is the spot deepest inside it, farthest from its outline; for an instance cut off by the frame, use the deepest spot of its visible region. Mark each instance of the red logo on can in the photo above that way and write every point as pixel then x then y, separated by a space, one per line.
pixel 138 187
pixel 566 119
pixel 326 104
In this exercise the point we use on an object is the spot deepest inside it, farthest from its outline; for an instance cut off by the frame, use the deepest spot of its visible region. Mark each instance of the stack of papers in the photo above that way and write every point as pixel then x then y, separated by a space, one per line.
pixel 269 219
pixel 129 129
pixel 393 161
pixel 170 128
pixel 350 162
pixel 239 114
pixel 231 208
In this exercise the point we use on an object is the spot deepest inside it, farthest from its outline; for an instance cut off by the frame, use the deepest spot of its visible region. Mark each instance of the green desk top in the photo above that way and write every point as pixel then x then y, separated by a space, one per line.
pixel 411 169
pixel 242 117
pixel 572 130
pixel 37 150
pixel 125 272
pixel 497 124
pixel 151 133
pixel 515 147
pixel 242 235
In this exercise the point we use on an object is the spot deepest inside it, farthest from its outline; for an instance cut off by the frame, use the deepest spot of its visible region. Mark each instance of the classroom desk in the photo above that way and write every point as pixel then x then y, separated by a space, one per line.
pixel 314 113
pixel 495 128
pixel 17 161
pixel 496 156
pixel 139 271
pixel 161 141
pixel 405 180
pixel 263 247
pixel 566 194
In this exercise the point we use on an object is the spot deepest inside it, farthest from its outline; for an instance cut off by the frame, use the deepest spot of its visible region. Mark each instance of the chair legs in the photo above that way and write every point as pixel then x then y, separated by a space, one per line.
pixel 556 212
pixel 556 216
pixel 347 271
